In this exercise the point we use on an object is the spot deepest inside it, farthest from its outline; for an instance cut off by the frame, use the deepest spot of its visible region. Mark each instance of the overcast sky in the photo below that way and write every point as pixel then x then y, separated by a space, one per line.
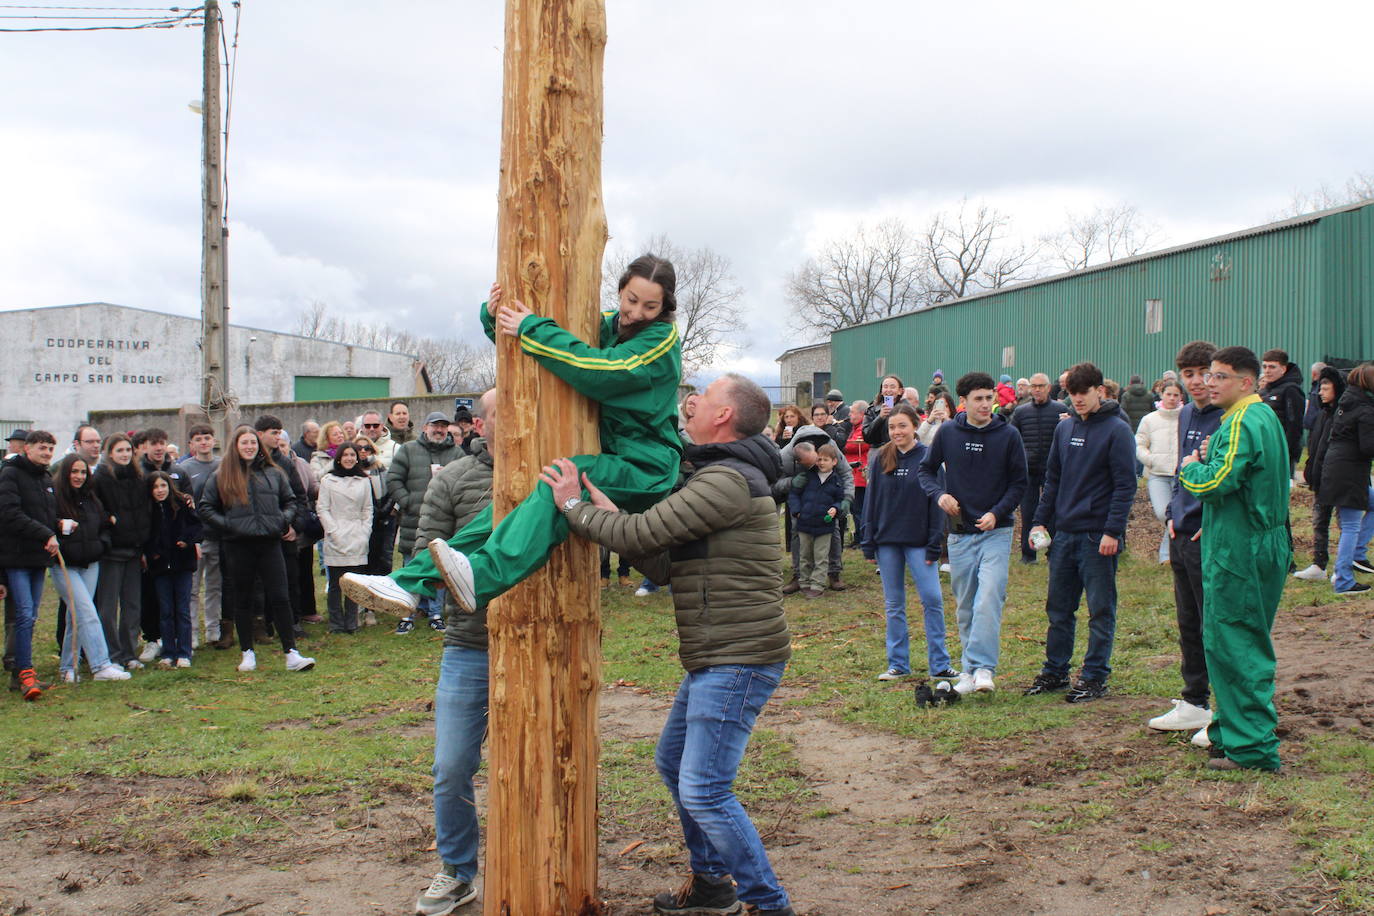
pixel 364 140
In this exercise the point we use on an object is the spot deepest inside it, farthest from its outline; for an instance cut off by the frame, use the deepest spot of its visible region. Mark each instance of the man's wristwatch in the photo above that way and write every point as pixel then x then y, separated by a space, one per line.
pixel 569 503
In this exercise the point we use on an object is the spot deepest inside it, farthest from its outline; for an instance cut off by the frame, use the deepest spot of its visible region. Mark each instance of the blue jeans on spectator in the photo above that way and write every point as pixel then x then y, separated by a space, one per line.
pixel 698 755
pixel 460 724
pixel 893 561
pixel 1356 528
pixel 978 578
pixel 81 605
pixel 174 604
pixel 1076 567
pixel 26 585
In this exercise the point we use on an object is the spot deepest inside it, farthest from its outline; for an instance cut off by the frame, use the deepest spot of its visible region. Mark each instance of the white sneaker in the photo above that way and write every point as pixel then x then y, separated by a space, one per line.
pixel 183 663
pixel 133 664
pixel 457 573
pixel 944 567
pixel 964 686
pixel 150 651
pixel 891 674
pixel 642 592
pixel 982 681
pixel 1182 718
pixel 165 662
pixel 297 662
pixel 250 661
pixel 112 672
pixel 1313 573
pixel 69 677
pixel 379 593
pixel 1200 739
pixel 445 894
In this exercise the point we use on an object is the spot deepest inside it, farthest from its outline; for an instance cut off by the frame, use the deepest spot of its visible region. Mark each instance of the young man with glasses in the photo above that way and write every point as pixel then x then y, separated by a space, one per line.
pixel 1241 476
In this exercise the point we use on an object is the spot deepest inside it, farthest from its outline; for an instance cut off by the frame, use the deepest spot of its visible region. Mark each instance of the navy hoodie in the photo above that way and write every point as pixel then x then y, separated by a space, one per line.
pixel 896 508
pixel 1194 425
pixel 985 469
pixel 810 501
pixel 1090 479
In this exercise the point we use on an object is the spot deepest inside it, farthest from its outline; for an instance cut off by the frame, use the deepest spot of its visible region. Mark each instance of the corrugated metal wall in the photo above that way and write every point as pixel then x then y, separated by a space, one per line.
pixel 1307 288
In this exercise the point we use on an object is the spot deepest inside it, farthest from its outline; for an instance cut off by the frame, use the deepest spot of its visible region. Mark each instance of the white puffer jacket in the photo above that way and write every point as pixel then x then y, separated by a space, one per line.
pixel 1156 442
pixel 345 510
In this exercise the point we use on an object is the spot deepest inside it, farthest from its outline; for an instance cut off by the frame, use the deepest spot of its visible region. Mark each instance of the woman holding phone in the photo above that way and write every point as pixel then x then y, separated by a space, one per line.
pixel 875 418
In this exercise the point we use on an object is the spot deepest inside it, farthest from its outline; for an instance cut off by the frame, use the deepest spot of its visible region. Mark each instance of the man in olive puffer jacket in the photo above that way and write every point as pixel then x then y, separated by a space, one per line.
pixel 716 540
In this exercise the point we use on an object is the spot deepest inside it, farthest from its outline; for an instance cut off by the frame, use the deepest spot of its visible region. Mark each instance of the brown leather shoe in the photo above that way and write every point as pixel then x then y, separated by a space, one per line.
pixel 792 587
pixel 225 641
pixel 836 585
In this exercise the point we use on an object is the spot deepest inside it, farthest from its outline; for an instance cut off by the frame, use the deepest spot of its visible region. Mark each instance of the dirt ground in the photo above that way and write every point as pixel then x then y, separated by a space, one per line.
pixel 909 830
pixel 1060 822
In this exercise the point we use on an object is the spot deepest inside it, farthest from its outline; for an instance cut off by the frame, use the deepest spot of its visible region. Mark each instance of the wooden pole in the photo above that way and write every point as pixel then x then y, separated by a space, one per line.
pixel 545 635
pixel 214 302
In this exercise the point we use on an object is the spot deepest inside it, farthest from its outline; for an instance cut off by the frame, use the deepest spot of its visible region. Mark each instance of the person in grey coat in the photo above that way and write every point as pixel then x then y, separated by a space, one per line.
pixel 412 468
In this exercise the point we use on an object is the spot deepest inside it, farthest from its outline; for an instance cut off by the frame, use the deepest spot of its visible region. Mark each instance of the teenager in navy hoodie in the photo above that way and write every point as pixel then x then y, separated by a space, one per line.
pixel 1090 484
pixel 902 529
pixel 984 478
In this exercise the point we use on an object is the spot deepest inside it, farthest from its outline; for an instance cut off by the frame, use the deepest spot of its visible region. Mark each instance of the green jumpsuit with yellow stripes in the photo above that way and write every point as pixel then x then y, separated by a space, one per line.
pixel 1243 487
pixel 636 382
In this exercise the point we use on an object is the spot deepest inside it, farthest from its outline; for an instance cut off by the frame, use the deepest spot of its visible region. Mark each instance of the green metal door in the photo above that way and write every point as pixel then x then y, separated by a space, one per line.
pixel 340 388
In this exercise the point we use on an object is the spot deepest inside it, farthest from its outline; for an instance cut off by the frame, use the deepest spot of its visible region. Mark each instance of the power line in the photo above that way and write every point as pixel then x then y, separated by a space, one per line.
pixel 187 18
pixel 118 9
pixel 231 63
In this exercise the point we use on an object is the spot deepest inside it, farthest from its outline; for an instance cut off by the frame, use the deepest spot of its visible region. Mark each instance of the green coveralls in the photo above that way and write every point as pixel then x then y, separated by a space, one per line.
pixel 636 382
pixel 1243 487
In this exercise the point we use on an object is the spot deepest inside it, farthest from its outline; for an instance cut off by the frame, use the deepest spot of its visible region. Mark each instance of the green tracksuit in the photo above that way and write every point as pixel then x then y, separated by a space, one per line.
pixel 636 383
pixel 1243 487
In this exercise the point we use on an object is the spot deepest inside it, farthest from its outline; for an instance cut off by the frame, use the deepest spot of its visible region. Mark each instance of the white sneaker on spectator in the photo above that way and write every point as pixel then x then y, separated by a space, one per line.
pixel 150 651
pixel 1200 739
pixel 642 592
pixel 69 677
pixel 112 672
pixel 297 662
pixel 944 567
pixel 250 661
pixel 982 681
pixel 379 593
pixel 964 685
pixel 457 573
pixel 1313 573
pixel 166 662
pixel 133 664
pixel 1184 717
pixel 183 663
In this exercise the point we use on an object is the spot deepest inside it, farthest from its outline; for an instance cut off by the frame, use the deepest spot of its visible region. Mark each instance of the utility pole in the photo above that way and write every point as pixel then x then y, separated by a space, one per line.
pixel 214 297
pixel 545 634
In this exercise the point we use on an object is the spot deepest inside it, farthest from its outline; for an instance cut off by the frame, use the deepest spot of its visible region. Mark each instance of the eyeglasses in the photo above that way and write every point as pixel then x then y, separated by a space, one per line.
pixel 364 448
pixel 372 426
pixel 1218 376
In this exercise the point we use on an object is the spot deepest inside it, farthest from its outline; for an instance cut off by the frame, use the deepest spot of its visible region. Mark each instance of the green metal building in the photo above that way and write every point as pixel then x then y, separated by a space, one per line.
pixel 1305 285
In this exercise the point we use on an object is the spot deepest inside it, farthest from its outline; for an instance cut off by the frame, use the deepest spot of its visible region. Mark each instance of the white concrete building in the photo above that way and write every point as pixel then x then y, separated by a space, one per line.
pixel 809 364
pixel 63 361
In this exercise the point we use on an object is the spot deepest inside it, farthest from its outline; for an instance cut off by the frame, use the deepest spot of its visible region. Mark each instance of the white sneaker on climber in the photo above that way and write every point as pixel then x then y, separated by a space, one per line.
pixel 379 593
pixel 457 573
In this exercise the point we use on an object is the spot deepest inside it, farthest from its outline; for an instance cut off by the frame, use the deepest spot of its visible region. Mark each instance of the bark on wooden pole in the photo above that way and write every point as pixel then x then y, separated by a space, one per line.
pixel 545 649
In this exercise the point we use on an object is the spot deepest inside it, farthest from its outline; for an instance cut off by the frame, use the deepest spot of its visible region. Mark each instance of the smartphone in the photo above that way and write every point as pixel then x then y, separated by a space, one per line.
pixel 889 400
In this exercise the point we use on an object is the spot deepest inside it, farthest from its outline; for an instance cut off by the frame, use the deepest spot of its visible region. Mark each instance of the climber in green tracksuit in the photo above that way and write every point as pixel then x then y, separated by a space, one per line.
pixel 633 372
pixel 1242 482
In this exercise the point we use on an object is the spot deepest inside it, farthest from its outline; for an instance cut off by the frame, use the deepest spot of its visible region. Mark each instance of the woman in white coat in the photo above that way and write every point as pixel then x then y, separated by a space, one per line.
pixel 1156 447
pixel 345 510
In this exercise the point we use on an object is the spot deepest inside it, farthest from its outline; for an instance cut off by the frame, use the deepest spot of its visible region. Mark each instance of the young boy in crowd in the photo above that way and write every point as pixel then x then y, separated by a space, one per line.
pixel 816 501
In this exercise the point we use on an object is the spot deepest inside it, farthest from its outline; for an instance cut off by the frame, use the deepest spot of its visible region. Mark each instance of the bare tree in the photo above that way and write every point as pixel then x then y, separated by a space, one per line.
pixel 1357 187
pixel 1105 234
pixel 708 321
pixel 453 364
pixel 874 273
pixel 969 250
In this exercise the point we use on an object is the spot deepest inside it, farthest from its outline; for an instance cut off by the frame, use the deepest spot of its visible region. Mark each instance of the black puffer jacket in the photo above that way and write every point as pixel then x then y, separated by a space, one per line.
pixel 91 539
pixel 169 528
pixel 1287 399
pixel 1321 429
pixel 875 425
pixel 125 496
pixel 1345 470
pixel 1036 423
pixel 28 514
pixel 270 509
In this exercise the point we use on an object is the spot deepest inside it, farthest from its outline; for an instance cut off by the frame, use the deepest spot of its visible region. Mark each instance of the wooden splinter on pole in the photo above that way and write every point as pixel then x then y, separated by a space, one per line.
pixel 545 634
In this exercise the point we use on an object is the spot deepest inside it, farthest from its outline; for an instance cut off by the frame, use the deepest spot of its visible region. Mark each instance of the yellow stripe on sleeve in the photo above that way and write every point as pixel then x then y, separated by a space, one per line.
pixel 599 363
pixel 1232 446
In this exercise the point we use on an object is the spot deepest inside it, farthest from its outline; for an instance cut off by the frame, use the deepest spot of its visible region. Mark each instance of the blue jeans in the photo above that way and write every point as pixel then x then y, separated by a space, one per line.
pixel 1076 567
pixel 978 578
pixel 893 561
pixel 698 756
pixel 81 605
pixel 26 587
pixel 1356 528
pixel 460 724
pixel 174 602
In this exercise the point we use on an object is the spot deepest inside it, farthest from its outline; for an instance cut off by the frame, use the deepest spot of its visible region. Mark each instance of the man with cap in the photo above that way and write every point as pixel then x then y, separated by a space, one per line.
pixel 834 402
pixel 412 468
pixel 462 418
pixel 15 444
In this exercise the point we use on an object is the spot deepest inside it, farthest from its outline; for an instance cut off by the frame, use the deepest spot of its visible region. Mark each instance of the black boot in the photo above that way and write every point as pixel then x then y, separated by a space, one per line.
pixel 701 895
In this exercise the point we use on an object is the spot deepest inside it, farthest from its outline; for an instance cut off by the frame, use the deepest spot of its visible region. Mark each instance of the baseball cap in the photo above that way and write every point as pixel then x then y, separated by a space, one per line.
pixel 437 417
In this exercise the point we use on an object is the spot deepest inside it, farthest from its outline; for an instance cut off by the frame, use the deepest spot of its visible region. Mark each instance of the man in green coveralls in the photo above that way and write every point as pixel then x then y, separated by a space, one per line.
pixel 1240 475
pixel 633 372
